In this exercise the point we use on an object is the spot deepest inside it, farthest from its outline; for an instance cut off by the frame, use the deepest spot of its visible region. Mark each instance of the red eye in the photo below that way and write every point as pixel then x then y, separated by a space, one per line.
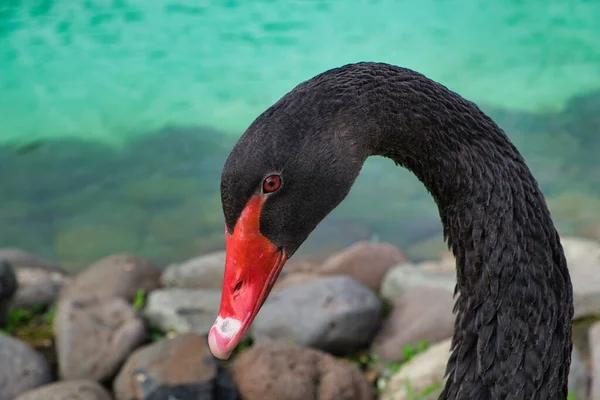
pixel 271 184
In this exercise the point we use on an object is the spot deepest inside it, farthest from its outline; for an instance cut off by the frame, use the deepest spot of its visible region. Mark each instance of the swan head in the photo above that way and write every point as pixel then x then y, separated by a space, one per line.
pixel 285 174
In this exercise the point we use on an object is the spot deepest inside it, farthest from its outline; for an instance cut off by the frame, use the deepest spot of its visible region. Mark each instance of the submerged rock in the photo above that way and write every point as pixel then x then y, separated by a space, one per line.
pixel 21 368
pixel 277 372
pixel 179 368
pixel 335 314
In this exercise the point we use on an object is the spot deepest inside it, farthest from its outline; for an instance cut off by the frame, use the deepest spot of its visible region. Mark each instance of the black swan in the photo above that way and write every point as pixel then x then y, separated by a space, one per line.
pixel 298 160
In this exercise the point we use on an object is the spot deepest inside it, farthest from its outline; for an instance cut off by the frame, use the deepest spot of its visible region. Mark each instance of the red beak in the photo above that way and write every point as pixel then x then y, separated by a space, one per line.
pixel 252 265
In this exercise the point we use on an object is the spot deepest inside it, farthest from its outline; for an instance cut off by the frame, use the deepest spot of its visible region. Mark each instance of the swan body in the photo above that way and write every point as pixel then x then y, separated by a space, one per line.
pixel 298 160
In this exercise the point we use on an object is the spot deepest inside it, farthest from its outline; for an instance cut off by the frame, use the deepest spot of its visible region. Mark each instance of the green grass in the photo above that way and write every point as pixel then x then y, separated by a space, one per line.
pixel 139 300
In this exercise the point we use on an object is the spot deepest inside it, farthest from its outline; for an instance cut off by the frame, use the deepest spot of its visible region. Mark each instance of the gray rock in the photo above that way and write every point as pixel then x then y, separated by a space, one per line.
pixel 579 376
pixel 8 288
pixel 39 281
pixel 183 310
pixel 335 314
pixel 72 390
pixel 38 286
pixel 19 258
pixel 594 340
pixel 179 368
pixel 583 258
pixel 21 368
pixel 403 277
pixel 94 336
pixel 205 272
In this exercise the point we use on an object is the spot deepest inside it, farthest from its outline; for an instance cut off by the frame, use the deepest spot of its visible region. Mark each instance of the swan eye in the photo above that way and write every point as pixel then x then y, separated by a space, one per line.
pixel 271 184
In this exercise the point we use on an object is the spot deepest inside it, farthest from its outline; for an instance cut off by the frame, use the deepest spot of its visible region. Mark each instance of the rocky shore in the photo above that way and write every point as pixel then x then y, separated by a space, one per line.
pixel 366 323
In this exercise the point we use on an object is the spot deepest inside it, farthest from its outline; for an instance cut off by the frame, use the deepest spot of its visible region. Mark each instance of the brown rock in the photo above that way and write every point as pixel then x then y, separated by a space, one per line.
pixel 183 362
pixel 94 336
pixel 365 261
pixel 119 275
pixel 420 313
pixel 276 372
pixel 72 390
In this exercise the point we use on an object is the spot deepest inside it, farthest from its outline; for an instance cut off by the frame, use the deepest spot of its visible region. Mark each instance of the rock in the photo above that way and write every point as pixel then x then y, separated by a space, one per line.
pixel 72 390
pixel 335 314
pixel 19 258
pixel 594 340
pixel 399 279
pixel 367 262
pixel 431 247
pixel 39 281
pixel 583 259
pixel 425 372
pixel 277 372
pixel 420 313
pixel 181 368
pixel 38 287
pixel 94 336
pixel 183 310
pixel 21 368
pixel 303 266
pixel 446 264
pixel 293 279
pixel 115 276
pixel 8 288
pixel 579 376
pixel 205 272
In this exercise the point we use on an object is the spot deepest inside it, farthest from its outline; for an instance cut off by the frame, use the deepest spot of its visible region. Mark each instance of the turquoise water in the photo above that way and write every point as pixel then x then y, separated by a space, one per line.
pixel 115 115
